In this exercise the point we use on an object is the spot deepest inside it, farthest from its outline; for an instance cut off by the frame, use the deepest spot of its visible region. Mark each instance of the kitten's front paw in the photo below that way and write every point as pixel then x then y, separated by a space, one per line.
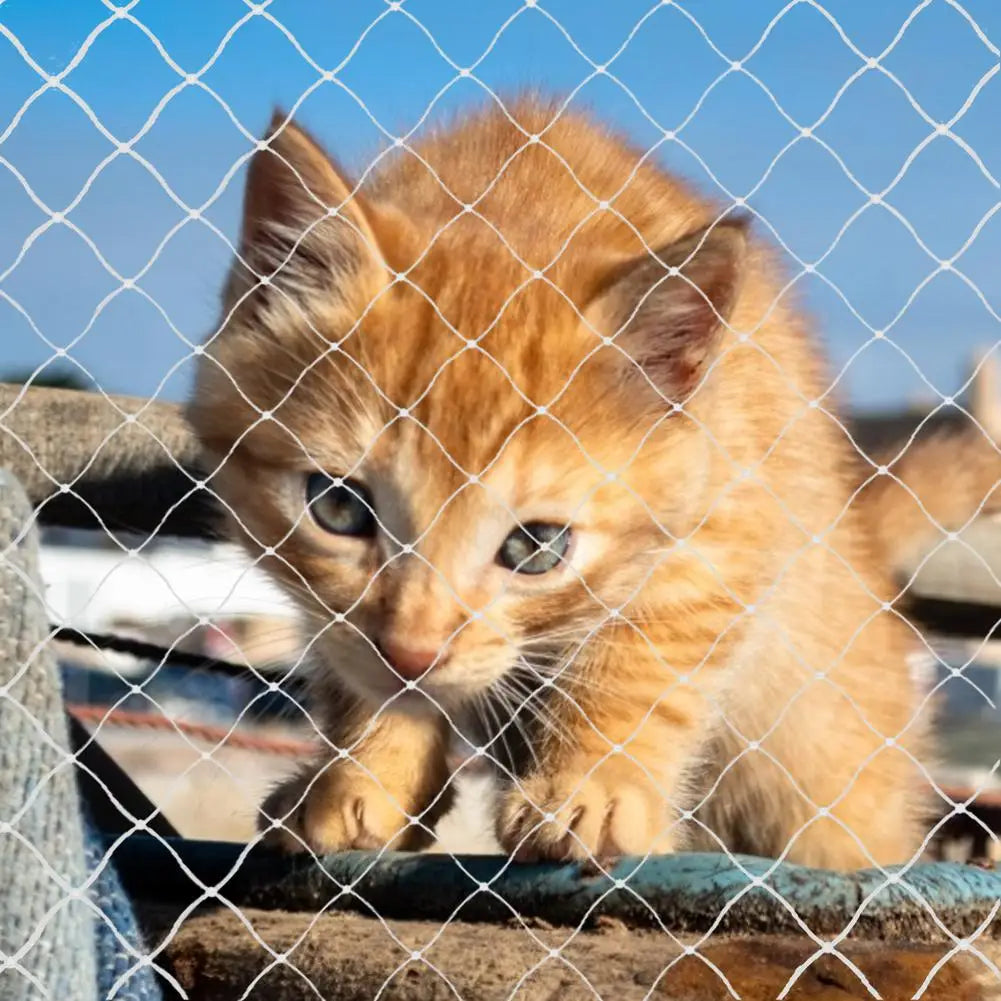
pixel 338 808
pixel 594 818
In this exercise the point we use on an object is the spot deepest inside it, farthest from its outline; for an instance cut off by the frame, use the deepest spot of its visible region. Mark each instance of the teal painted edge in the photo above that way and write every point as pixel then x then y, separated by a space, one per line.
pixel 684 892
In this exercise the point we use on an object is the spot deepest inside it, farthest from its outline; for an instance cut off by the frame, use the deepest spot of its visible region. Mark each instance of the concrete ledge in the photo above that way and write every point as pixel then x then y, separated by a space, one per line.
pixel 132 461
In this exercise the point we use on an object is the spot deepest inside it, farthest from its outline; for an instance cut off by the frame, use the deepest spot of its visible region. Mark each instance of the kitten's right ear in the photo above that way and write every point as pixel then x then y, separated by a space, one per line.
pixel 303 230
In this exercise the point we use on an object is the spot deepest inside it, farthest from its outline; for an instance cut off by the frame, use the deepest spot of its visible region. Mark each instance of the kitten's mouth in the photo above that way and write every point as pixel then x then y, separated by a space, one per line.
pixel 378 685
pixel 435 693
pixel 414 701
pixel 444 681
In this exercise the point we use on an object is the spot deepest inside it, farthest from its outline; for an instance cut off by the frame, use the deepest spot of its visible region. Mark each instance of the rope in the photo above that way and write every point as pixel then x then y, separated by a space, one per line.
pixel 217 735
pixel 161 655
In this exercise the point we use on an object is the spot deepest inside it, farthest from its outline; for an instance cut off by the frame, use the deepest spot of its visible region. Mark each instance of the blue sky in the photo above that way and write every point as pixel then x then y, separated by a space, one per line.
pixel 667 67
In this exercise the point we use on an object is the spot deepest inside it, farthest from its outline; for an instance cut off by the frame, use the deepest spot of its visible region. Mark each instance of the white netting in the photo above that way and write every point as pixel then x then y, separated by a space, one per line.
pixel 666 129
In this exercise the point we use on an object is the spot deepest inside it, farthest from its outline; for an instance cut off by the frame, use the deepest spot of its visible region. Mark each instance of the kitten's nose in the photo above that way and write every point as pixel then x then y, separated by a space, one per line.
pixel 409 662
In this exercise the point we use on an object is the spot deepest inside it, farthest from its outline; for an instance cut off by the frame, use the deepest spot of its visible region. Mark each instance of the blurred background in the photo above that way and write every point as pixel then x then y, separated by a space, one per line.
pixel 136 133
pixel 863 136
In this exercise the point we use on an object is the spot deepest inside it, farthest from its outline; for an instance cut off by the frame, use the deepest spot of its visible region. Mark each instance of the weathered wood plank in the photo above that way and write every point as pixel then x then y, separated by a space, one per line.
pixel 344 957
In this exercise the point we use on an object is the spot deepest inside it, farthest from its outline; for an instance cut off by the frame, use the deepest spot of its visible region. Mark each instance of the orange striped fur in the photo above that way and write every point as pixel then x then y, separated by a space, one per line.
pixel 717 665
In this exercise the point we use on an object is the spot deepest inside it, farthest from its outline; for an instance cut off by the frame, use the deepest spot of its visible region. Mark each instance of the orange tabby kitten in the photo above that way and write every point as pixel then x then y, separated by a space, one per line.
pixel 529 430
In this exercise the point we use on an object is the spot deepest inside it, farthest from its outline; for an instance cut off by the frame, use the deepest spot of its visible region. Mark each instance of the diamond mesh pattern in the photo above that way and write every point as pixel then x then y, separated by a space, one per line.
pixel 466 65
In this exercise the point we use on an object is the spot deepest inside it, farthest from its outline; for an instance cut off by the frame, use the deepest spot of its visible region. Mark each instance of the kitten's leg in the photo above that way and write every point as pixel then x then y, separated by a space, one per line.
pixel 366 799
pixel 613 761
pixel 760 807
pixel 825 772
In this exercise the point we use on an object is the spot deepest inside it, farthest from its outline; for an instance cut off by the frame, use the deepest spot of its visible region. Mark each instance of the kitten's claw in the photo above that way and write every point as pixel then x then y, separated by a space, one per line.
pixel 593 819
pixel 335 809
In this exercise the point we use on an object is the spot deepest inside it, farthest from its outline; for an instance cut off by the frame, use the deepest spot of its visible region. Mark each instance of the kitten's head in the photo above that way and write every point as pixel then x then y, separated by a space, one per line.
pixel 431 436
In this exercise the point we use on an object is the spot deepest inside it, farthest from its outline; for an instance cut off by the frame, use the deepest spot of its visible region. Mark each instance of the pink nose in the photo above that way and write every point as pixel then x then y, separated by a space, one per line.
pixel 410 663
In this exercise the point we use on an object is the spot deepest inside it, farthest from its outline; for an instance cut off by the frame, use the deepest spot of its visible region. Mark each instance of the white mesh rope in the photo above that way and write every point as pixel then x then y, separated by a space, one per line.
pixel 470 72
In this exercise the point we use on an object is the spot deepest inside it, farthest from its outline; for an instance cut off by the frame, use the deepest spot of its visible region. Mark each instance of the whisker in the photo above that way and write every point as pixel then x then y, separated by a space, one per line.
pixel 548 720
pixel 523 734
pixel 503 695
pixel 498 729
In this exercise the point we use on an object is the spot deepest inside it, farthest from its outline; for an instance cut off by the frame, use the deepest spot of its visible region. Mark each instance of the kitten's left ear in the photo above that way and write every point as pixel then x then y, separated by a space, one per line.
pixel 667 309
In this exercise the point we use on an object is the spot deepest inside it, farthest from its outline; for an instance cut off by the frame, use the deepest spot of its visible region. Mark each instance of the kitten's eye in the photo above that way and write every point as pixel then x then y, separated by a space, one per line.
pixel 343 507
pixel 535 548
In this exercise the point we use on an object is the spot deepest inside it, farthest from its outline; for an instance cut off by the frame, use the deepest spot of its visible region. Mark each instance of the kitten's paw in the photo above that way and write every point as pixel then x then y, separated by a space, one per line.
pixel 338 808
pixel 572 816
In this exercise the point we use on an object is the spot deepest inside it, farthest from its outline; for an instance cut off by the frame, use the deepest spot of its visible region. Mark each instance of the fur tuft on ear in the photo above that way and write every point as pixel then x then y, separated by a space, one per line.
pixel 303 230
pixel 667 308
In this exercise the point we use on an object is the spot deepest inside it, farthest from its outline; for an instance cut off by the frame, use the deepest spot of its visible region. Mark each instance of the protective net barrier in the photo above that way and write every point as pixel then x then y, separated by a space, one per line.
pixel 545 856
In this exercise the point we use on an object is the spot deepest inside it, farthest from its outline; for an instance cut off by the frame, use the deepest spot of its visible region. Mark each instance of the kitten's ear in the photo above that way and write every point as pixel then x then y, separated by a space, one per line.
pixel 302 230
pixel 666 310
